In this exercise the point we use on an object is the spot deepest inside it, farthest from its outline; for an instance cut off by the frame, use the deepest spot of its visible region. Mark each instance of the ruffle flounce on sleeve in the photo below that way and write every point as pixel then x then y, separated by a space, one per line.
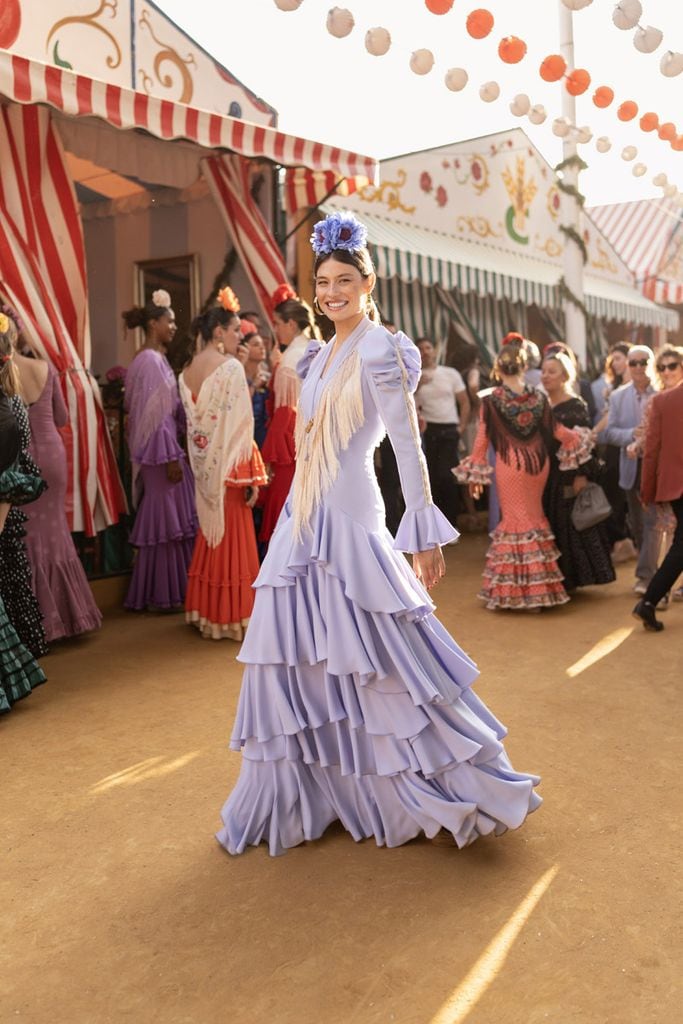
pixel 17 488
pixel 249 473
pixel 162 446
pixel 472 472
pixel 424 529
pixel 576 448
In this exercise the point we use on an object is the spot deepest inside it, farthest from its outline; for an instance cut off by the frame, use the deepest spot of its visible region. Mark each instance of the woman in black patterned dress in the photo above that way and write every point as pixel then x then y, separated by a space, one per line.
pixel 16 589
pixel 584 555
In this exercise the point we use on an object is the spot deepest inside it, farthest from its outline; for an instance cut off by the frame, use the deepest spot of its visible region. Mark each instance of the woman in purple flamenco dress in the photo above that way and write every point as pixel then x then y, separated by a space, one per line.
pixel 163 488
pixel 356 704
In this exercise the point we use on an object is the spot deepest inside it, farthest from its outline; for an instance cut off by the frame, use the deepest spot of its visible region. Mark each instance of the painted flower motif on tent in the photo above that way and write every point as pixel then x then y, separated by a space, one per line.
pixel 554 202
pixel 521 190
pixel 426 181
pixel 441 196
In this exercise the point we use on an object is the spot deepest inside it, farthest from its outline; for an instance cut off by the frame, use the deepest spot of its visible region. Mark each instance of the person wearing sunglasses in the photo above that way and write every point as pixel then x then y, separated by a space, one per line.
pixel 624 428
pixel 662 482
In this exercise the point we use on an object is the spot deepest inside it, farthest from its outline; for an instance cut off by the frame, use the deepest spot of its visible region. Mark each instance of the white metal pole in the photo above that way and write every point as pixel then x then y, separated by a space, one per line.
pixel 575 321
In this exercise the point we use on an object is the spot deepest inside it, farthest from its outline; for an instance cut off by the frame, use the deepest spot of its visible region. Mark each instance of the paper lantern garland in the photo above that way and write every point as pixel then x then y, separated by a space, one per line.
pixel 288 5
pixel 627 111
pixel 439 6
pixel 553 68
pixel 520 105
pixel 577 82
pixel 603 96
pixel 456 79
pixel 377 41
pixel 627 14
pixel 422 62
pixel 479 23
pixel 512 49
pixel 340 22
pixel 489 92
pixel 671 64
pixel 649 122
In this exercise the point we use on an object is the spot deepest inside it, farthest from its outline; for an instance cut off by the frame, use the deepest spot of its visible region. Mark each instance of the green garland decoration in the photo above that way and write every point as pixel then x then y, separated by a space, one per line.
pixel 571 190
pixel 568 294
pixel 572 161
pixel 571 232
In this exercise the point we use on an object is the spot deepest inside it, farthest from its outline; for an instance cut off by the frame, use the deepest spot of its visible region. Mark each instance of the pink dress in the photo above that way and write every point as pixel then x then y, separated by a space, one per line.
pixel 59 580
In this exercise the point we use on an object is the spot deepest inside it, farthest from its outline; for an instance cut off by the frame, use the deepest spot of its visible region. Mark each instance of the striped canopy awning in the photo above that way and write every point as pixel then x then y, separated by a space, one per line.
pixel 648 235
pixel 412 253
pixel 29 81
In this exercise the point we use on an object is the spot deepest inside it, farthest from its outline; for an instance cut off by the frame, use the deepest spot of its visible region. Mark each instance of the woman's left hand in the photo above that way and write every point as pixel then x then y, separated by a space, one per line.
pixel 579 483
pixel 251 500
pixel 429 566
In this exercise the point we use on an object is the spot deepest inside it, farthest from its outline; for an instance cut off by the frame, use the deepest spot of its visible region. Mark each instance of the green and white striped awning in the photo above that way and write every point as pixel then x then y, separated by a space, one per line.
pixel 413 254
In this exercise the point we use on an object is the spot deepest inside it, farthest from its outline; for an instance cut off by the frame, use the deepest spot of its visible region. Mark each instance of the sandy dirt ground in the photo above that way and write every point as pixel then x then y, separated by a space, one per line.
pixel 117 905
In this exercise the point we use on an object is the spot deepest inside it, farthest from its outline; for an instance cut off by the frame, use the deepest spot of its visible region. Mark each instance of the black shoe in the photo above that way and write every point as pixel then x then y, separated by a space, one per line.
pixel 646 613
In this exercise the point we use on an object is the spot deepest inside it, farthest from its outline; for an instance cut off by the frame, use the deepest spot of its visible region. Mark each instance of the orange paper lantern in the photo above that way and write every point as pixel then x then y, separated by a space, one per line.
pixel 479 23
pixel 677 143
pixel 577 82
pixel 649 122
pixel 512 49
pixel 603 96
pixel 627 111
pixel 439 6
pixel 667 131
pixel 553 68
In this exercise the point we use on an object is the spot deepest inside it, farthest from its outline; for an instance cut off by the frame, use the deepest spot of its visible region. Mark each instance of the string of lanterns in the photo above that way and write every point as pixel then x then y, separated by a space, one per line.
pixel 511 50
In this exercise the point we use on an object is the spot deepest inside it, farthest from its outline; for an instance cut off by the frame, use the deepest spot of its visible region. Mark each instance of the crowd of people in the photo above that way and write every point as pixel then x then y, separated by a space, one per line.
pixel 215 455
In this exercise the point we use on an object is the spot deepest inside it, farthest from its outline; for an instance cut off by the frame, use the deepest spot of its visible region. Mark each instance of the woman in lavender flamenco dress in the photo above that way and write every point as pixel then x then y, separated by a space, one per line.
pixel 356 704
pixel 163 488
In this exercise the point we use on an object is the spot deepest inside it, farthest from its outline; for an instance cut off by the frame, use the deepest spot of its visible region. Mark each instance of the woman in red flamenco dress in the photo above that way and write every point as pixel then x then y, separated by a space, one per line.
pixel 294 327
pixel 521 569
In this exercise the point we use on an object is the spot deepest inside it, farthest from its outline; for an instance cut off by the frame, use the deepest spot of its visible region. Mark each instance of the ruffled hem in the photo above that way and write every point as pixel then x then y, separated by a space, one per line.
pixel 285 803
pixel 167 512
pixel 471 472
pixel 65 598
pixel 422 529
pixel 370 573
pixel 217 630
pixel 159 579
pixel 19 672
pixel 522 571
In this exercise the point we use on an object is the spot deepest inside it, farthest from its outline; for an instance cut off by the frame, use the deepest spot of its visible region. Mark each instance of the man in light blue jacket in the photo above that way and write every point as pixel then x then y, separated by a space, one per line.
pixel 626 409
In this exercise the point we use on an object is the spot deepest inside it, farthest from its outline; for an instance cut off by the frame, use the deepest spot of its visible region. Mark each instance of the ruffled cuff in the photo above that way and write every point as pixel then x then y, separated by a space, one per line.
pixel 18 488
pixel 471 472
pixel 250 473
pixel 423 529
pixel 579 452
pixel 161 448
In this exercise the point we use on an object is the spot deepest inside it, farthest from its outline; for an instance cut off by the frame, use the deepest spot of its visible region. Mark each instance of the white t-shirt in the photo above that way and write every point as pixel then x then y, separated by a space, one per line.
pixel 435 396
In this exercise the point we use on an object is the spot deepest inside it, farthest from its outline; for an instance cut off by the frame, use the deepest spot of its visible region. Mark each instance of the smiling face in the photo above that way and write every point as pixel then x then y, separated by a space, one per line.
pixel 341 290
pixel 553 376
pixel 163 329
pixel 640 365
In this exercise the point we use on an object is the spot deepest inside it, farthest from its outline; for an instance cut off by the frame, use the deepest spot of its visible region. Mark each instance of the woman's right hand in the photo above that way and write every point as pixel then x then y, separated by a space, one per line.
pixel 476 491
pixel 174 472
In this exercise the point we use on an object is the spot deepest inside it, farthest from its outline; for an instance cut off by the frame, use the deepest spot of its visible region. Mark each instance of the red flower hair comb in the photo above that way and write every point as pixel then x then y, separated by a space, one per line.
pixel 282 293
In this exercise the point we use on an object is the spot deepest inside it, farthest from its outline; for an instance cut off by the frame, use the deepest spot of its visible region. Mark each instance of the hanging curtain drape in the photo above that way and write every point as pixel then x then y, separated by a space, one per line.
pixel 411 306
pixel 228 178
pixel 43 277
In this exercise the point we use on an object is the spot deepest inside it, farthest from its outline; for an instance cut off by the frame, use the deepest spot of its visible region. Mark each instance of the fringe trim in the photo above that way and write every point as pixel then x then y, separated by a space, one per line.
pixel 337 418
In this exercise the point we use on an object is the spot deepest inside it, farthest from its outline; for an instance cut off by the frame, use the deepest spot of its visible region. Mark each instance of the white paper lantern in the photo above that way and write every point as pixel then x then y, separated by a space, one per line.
pixel 627 13
pixel 537 114
pixel 520 105
pixel 629 153
pixel 561 127
pixel 339 22
pixel 577 5
pixel 456 79
pixel 639 170
pixel 660 179
pixel 422 62
pixel 670 191
pixel 583 135
pixel 647 39
pixel 377 41
pixel 288 5
pixel 489 92
pixel 603 144
pixel 671 64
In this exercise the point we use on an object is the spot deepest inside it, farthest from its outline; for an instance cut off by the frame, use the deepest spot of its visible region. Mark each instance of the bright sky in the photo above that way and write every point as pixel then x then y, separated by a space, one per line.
pixel 333 91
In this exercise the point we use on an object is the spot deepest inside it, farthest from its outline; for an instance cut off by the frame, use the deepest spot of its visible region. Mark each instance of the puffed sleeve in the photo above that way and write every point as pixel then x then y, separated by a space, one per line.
pixel 575 448
pixel 392 369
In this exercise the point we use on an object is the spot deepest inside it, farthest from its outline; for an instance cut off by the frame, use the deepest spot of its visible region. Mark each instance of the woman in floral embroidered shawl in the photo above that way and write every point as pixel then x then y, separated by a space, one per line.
pixel 521 564
pixel 228 472
pixel 356 704
pixel 163 492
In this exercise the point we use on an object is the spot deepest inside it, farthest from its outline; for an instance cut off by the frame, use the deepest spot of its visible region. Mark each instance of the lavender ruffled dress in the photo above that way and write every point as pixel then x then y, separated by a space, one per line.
pixel 166 519
pixel 356 702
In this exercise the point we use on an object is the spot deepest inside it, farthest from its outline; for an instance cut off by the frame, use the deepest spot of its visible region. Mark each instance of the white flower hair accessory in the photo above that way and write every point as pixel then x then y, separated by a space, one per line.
pixel 161 298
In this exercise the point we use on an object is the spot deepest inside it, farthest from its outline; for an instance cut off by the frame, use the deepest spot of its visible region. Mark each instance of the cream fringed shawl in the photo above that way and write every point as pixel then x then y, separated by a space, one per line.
pixel 220 433
pixel 319 440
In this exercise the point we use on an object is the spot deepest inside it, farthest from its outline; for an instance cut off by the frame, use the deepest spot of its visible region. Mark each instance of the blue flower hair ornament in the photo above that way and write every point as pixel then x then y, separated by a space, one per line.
pixel 338 231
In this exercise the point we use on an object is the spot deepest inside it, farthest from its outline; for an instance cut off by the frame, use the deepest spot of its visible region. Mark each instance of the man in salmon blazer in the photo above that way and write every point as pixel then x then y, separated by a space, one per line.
pixel 662 480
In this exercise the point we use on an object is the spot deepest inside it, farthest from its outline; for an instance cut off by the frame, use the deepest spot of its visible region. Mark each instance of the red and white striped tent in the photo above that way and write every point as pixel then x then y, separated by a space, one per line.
pixel 648 235
pixel 42 258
